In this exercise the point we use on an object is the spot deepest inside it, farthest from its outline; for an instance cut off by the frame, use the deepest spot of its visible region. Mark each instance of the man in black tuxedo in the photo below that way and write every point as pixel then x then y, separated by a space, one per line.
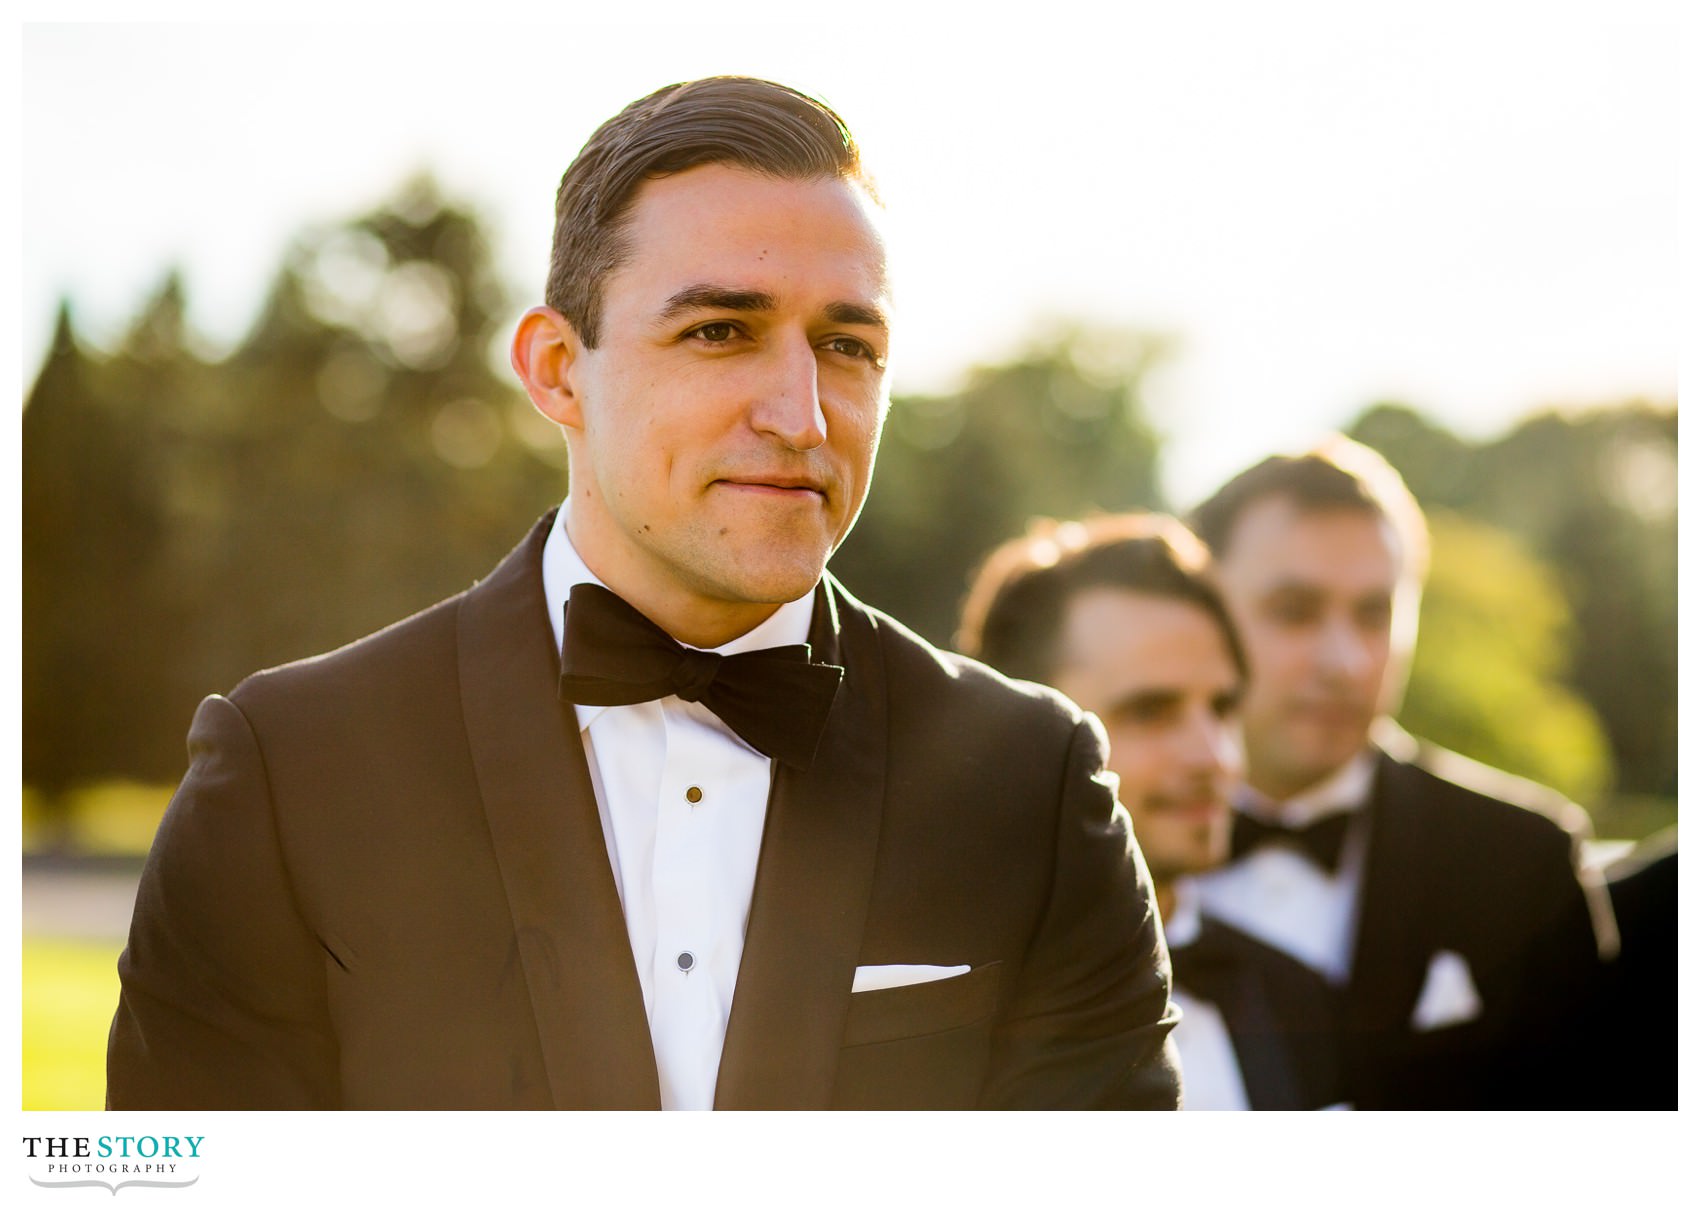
pixel 1444 899
pixel 657 814
pixel 1120 613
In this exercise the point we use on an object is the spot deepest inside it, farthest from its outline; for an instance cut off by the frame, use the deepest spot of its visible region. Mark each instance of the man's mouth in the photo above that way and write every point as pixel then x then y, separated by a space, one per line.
pixel 1336 713
pixel 1195 807
pixel 796 487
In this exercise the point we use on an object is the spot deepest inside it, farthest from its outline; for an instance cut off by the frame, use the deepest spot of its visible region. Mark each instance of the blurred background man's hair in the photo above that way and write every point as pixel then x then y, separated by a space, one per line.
pixel 1015 608
pixel 1337 473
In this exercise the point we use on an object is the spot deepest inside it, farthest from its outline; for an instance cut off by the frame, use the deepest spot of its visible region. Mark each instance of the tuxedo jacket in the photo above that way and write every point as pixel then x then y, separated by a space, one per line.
pixel 1469 861
pixel 1282 1017
pixel 383 884
pixel 1637 996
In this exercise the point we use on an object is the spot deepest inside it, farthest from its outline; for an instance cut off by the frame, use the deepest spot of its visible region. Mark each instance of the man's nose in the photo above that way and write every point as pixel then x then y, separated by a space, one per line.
pixel 787 403
pixel 1209 745
pixel 1342 649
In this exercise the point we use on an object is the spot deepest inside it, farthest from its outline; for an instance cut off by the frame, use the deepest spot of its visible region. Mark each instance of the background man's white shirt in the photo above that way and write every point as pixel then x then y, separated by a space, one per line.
pixel 683 802
pixel 1281 897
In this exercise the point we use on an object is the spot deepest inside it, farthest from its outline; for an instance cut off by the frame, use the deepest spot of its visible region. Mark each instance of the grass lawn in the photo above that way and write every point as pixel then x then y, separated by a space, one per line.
pixel 70 989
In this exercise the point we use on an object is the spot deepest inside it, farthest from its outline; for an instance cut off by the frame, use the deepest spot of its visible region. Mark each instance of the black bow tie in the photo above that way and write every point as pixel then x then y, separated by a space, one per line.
pixel 773 698
pixel 1322 840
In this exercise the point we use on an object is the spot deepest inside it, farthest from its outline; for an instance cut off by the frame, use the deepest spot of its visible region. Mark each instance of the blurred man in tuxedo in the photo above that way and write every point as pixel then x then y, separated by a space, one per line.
pixel 1443 898
pixel 657 815
pixel 1119 613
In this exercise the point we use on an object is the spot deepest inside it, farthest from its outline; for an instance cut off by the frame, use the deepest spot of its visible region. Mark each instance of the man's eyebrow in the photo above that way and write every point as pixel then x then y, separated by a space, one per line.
pixel 1294 585
pixel 707 296
pixel 1151 698
pixel 1230 700
pixel 857 313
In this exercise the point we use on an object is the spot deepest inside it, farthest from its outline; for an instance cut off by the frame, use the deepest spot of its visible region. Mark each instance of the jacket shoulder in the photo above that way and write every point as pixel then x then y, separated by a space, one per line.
pixel 400 652
pixel 415 656
pixel 938 679
pixel 1481 792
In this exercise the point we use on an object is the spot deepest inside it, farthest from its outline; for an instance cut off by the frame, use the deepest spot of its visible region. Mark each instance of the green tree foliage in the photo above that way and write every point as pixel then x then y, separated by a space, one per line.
pixel 1593 494
pixel 1060 432
pixel 187 522
pixel 93 538
pixel 1495 643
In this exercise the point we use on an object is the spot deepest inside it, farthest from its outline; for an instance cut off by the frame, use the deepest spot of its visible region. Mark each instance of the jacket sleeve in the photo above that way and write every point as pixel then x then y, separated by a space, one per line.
pixel 1555 980
pixel 222 985
pixel 1088 1022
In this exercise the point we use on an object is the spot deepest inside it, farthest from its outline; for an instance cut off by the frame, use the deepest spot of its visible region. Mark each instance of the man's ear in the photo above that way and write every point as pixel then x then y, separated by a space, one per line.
pixel 544 349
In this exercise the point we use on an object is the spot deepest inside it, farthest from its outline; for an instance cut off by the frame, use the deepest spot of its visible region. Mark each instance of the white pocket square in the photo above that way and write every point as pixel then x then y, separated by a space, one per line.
pixel 1449 994
pixel 892 976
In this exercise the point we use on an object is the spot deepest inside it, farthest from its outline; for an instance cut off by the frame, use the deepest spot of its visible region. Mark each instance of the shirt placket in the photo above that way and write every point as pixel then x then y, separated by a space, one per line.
pixel 686 1024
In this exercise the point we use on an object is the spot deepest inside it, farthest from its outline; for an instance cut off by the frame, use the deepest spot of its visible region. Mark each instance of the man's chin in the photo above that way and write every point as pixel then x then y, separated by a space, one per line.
pixel 754 564
pixel 1319 752
pixel 1174 848
pixel 772 583
pixel 1167 868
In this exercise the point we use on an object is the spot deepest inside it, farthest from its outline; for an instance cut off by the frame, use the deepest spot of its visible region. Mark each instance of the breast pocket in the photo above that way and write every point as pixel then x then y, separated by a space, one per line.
pixel 924 1008
pixel 919 1047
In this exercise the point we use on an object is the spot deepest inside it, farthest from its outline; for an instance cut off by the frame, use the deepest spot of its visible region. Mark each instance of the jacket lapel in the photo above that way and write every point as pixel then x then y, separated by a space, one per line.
pixel 569 931
pixel 812 886
pixel 1392 915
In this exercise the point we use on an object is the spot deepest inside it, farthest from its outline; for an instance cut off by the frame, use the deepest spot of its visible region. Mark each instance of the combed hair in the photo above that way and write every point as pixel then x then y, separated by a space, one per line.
pixel 1013 616
pixel 751 123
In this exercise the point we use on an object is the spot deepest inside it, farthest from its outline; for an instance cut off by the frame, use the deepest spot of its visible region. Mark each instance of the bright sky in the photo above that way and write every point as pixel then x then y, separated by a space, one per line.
pixel 1472 208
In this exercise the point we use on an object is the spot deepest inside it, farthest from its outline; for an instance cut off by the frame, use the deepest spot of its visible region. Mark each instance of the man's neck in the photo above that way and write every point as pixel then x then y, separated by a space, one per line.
pixel 1301 798
pixel 697 619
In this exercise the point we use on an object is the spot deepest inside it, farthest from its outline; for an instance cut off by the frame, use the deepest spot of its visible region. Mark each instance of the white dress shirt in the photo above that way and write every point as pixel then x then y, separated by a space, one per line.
pixel 683 801
pixel 1281 897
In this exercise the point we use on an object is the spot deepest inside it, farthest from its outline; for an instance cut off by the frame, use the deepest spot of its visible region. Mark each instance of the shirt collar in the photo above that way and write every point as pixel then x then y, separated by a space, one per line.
pixel 1182 925
pixel 563 568
pixel 1346 790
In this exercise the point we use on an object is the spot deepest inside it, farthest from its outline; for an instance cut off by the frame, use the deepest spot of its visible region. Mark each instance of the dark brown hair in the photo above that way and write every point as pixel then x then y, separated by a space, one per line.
pixel 1013 616
pixel 1337 474
pixel 755 124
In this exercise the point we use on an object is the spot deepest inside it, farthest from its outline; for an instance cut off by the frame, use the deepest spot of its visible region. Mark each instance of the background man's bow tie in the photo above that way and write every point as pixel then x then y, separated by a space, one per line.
pixel 1322 840
pixel 773 698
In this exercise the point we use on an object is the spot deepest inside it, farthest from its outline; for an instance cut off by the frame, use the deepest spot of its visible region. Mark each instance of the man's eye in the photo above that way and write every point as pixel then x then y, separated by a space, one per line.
pixel 850 347
pixel 1146 713
pixel 717 332
pixel 1292 612
pixel 1375 616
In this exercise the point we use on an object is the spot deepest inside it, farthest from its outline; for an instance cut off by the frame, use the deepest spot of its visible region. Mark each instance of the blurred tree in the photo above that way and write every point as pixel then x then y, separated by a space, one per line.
pixel 1059 432
pixel 1593 494
pixel 91 535
pixel 376 456
pixel 186 522
pixel 1495 643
